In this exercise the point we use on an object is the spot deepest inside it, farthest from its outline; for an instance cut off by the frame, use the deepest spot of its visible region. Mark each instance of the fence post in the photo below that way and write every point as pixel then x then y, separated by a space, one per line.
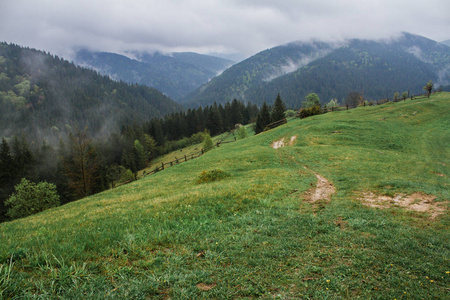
pixel 162 165
pixel 218 144
pixel 185 158
pixel 203 151
pixel 347 106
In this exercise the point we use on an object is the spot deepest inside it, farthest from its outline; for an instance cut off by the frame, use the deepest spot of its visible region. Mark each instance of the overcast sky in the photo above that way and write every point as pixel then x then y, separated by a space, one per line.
pixel 206 26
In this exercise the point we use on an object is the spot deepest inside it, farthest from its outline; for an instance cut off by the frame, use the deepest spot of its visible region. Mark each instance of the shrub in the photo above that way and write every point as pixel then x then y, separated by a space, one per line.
pixel 31 198
pixel 332 104
pixel 242 133
pixel 310 111
pixel 207 143
pixel 289 113
pixel 212 175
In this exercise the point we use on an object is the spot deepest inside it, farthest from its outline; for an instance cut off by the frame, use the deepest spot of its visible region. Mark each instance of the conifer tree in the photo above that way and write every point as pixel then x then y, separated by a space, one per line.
pixel 278 109
pixel 263 119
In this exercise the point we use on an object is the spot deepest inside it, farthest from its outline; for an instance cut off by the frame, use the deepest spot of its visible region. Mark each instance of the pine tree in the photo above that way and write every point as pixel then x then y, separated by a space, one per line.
pixel 214 121
pixel 278 109
pixel 6 176
pixel 263 119
pixel 236 113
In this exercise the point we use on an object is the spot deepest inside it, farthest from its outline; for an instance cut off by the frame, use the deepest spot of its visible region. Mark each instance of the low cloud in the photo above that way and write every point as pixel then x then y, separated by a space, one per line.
pixel 223 26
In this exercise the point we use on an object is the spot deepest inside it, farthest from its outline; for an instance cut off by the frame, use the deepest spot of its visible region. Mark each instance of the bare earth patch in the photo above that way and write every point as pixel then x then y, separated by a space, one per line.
pixel 284 142
pixel 416 202
pixel 206 287
pixel 324 190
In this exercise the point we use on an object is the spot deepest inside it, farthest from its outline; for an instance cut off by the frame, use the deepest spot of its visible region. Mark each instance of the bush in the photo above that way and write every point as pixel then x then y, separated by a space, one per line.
pixel 31 198
pixel 289 113
pixel 207 143
pixel 242 133
pixel 212 175
pixel 310 111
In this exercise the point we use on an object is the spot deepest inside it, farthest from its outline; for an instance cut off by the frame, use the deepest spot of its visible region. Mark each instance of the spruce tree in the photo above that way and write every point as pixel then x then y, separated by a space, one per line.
pixel 263 119
pixel 278 109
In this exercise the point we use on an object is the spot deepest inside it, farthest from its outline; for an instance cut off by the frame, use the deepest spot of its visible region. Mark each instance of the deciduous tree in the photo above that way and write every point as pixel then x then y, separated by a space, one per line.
pixel 81 164
pixel 429 87
pixel 30 198
pixel 311 100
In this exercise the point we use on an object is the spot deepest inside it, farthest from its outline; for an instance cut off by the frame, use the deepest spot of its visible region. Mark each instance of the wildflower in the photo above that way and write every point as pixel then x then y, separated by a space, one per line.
pixel 431 280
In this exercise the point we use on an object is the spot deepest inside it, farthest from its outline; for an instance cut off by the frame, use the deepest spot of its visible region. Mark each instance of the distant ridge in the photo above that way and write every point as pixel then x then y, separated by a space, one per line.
pixel 174 74
pixel 375 68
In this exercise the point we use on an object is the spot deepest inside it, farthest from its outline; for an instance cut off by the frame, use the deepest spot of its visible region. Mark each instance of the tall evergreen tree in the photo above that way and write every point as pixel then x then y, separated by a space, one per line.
pixel 263 119
pixel 6 176
pixel 214 121
pixel 236 112
pixel 278 109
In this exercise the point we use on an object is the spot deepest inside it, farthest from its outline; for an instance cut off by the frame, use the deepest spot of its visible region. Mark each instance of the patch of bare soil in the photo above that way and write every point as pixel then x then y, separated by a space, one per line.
pixel 206 287
pixel 284 142
pixel 416 202
pixel 323 191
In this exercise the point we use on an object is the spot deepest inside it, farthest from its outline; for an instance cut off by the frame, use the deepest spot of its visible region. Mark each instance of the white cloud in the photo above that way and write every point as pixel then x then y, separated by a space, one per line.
pixel 247 26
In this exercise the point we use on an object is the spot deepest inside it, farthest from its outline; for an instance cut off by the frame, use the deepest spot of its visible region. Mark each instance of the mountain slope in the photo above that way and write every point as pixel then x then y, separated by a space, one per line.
pixel 376 68
pixel 41 94
pixel 254 234
pixel 175 75
pixel 253 72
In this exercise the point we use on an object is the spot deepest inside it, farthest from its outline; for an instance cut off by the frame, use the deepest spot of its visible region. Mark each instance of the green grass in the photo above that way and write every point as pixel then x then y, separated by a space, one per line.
pixel 252 234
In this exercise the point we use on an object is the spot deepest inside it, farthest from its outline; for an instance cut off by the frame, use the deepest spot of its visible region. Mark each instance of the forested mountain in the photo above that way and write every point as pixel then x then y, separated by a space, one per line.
pixel 377 69
pixel 446 42
pixel 175 75
pixel 43 95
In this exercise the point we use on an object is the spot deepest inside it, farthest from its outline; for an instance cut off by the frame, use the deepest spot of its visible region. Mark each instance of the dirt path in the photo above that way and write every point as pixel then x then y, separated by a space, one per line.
pixel 324 190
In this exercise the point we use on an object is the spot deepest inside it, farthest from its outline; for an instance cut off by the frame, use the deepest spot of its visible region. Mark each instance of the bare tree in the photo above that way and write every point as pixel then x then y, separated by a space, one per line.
pixel 81 164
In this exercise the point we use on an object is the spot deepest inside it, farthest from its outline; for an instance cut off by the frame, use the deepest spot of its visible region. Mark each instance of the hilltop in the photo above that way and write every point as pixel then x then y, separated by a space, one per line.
pixel 325 216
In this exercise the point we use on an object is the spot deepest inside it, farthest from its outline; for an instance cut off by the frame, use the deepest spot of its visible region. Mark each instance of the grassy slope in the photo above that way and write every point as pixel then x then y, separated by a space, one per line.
pixel 253 234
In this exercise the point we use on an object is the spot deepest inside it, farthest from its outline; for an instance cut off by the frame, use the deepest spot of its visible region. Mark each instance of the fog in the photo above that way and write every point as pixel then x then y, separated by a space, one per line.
pixel 225 27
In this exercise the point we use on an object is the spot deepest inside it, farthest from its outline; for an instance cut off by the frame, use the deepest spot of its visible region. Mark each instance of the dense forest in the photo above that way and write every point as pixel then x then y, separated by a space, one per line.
pixel 44 96
pixel 80 165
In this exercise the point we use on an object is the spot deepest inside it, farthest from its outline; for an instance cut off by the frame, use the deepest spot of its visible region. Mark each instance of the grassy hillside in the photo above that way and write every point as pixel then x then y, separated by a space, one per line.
pixel 256 232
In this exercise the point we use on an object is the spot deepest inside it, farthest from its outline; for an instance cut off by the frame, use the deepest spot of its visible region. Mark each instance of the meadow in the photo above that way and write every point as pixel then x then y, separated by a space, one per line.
pixel 254 232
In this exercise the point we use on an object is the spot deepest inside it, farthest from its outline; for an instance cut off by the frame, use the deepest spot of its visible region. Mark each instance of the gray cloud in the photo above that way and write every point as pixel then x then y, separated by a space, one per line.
pixel 229 26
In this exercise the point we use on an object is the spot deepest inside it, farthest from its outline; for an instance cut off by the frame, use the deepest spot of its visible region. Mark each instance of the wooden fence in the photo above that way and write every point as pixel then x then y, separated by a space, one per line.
pixel 185 158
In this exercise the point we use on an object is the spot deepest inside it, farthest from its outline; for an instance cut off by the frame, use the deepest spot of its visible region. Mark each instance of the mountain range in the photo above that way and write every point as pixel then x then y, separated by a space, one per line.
pixel 174 74
pixel 375 68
